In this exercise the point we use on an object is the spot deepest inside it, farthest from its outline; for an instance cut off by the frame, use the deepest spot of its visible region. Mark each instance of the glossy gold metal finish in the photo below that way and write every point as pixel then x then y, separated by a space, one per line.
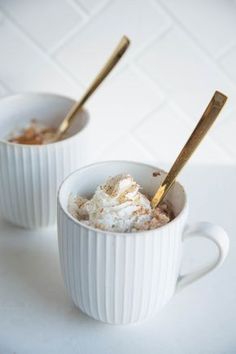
pixel 112 61
pixel 209 116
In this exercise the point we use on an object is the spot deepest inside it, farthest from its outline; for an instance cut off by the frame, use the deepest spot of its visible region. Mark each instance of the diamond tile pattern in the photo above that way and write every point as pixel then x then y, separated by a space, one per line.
pixel 87 50
pixel 184 72
pixel 174 130
pixel 24 68
pixel 181 52
pixel 115 114
pixel 129 147
pixel 91 5
pixel 45 21
pixel 212 23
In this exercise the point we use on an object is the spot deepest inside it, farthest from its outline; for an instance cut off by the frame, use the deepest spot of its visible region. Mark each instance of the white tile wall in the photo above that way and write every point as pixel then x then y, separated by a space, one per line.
pixel 228 62
pixel 24 68
pixel 88 48
pixel 44 21
pixel 210 22
pixel 170 119
pixel 186 74
pixel 181 52
pixel 226 134
pixel 91 6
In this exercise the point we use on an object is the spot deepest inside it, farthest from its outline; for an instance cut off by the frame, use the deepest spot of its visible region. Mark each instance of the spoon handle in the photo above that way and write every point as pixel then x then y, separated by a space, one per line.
pixel 112 61
pixel 209 116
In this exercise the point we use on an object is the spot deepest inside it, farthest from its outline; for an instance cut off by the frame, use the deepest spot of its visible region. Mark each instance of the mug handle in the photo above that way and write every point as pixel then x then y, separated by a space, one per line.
pixel 213 233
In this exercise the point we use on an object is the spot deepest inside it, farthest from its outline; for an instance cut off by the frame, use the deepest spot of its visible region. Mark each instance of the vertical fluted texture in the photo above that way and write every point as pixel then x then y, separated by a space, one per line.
pixel 119 278
pixel 30 177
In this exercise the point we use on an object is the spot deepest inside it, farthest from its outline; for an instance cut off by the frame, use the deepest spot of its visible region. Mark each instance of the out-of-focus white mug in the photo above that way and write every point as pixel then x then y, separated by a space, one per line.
pixel 31 174
pixel 120 278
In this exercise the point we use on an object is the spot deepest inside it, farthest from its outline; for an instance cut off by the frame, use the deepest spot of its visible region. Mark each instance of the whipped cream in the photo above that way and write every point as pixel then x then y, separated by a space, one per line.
pixel 118 205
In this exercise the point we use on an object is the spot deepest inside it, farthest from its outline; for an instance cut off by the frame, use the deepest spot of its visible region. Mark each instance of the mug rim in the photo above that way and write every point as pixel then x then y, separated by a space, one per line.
pixel 48 94
pixel 115 233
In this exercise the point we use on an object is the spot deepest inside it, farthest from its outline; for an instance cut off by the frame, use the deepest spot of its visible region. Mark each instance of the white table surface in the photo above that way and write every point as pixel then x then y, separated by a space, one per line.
pixel 36 316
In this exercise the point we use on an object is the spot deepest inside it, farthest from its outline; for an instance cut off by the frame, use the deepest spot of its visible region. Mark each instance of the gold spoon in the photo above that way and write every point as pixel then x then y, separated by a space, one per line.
pixel 209 116
pixel 112 61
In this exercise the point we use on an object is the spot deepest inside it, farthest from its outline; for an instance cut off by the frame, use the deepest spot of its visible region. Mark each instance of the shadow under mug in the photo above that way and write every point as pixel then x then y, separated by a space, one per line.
pixel 120 278
pixel 31 174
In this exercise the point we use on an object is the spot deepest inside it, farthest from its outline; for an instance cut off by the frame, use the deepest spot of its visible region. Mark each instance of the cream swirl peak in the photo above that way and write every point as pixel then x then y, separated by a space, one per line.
pixel 118 205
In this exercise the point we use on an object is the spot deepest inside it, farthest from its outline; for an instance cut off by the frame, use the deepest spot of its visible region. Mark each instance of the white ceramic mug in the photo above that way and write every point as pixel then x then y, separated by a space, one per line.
pixel 31 174
pixel 121 278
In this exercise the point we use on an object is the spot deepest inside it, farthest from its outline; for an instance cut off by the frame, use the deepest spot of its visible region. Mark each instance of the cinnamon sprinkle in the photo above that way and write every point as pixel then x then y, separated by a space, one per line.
pixel 33 135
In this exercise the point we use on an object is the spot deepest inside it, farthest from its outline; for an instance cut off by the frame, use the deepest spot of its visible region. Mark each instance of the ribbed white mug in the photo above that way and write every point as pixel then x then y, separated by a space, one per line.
pixel 120 278
pixel 31 174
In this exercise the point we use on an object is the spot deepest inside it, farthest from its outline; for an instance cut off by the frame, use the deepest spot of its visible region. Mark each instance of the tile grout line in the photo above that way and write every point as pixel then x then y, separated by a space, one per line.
pixel 186 30
pixel 139 52
pixel 140 71
pixel 5 87
pixel 166 28
pixel 61 42
pixel 226 50
pixel 194 40
pixel 78 8
pixel 49 54
pixel 142 147
pixel 187 121
pixel 125 63
pixel 132 64
pixel 70 34
pixel 130 131
pixel 180 112
pixel 97 10
pixel 149 114
pixel 27 37
pixel 81 7
pixel 144 76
